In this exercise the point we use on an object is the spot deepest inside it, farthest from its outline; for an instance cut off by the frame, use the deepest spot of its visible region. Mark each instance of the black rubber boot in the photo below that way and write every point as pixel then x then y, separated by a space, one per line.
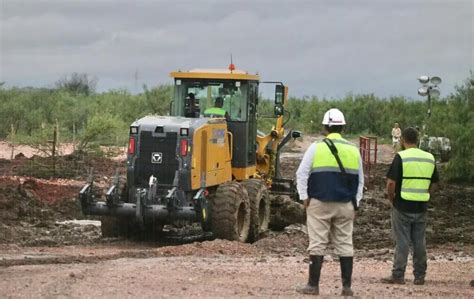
pixel 346 274
pixel 393 280
pixel 312 287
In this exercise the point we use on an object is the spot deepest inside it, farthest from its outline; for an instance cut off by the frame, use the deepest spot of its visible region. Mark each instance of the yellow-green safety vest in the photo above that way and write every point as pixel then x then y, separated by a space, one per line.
pixel 418 167
pixel 324 160
pixel 215 111
pixel 326 181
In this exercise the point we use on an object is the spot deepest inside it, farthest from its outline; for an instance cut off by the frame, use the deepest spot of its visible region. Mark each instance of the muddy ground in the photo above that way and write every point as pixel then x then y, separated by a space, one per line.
pixel 216 271
pixel 46 252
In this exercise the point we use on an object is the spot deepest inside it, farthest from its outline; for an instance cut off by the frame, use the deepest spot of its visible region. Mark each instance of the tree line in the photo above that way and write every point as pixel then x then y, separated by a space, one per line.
pixel 89 118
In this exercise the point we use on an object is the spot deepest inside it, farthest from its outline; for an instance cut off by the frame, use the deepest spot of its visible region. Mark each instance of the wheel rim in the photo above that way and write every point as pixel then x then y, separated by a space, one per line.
pixel 241 218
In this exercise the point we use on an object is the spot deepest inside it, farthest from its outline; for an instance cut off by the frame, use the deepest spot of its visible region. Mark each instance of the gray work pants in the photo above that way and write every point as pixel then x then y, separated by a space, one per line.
pixel 409 228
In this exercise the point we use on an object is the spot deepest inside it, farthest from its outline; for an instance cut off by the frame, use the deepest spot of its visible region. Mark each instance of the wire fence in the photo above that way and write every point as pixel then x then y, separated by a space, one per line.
pixel 48 168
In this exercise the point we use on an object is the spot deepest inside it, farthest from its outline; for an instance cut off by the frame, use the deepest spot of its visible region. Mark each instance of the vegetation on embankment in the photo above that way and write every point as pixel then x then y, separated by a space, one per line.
pixel 28 115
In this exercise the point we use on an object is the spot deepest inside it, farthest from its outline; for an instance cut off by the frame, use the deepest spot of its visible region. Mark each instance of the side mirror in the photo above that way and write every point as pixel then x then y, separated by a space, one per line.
pixel 279 94
pixel 278 111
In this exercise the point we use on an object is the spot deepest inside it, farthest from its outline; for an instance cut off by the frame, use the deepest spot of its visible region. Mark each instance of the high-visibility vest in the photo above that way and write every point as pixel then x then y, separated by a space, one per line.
pixel 326 181
pixel 214 111
pixel 418 168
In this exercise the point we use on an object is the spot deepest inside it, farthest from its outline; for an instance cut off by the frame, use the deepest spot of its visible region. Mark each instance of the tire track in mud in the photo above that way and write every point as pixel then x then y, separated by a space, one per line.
pixel 75 259
pixel 77 255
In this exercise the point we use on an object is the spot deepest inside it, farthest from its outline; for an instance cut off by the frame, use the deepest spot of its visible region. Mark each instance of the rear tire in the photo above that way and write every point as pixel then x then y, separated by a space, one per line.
pixel 230 212
pixel 259 207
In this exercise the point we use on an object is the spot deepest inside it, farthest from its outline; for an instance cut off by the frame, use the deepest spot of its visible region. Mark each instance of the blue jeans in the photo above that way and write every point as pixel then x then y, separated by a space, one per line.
pixel 409 228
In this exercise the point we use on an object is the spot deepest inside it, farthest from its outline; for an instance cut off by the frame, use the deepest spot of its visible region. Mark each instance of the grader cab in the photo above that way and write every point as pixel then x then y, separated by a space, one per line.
pixel 188 167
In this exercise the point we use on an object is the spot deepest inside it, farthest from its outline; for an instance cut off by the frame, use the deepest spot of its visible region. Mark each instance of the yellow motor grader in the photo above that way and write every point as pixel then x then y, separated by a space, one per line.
pixel 186 167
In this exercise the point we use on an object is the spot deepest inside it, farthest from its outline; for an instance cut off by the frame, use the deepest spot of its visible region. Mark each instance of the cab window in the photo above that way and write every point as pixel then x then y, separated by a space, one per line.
pixel 234 94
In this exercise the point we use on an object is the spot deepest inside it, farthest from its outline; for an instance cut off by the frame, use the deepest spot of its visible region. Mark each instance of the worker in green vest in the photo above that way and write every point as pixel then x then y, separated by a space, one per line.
pixel 410 182
pixel 217 110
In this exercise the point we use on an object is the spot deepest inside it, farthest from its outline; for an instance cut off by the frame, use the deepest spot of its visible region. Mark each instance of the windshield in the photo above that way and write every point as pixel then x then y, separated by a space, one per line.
pixel 193 98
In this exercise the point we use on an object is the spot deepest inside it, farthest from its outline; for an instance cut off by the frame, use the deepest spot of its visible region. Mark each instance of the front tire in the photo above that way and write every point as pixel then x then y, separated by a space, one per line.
pixel 230 212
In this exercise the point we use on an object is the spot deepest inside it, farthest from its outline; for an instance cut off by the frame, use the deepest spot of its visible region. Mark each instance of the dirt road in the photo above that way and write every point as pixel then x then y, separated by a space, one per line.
pixel 210 269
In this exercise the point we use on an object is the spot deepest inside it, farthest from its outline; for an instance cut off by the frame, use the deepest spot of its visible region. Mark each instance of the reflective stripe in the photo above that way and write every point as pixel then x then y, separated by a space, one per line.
pixel 343 142
pixel 414 190
pixel 413 159
pixel 333 169
pixel 415 178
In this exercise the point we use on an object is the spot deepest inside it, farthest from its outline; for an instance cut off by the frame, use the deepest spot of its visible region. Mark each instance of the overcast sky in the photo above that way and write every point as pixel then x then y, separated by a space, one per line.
pixel 323 48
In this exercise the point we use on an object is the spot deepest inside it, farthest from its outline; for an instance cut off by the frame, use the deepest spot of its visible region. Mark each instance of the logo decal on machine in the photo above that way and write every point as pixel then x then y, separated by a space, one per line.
pixel 156 158
pixel 218 136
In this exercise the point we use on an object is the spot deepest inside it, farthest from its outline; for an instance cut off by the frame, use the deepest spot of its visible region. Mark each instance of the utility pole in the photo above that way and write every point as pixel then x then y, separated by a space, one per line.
pixel 74 136
pixel 429 88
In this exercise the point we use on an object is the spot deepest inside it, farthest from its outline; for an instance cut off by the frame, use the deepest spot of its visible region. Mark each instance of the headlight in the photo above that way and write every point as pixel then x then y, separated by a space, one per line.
pixel 133 130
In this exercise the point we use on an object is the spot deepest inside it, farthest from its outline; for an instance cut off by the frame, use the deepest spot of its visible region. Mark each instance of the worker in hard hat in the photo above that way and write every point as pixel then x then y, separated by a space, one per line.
pixel 217 110
pixel 330 182
pixel 410 181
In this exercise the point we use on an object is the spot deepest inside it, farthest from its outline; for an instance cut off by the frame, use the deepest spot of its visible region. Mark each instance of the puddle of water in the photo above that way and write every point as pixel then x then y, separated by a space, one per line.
pixel 80 222
pixel 291 155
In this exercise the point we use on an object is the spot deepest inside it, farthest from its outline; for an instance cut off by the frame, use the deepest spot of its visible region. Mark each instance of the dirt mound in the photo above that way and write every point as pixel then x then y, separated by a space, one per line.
pixel 209 248
pixel 30 208
pixel 9 167
pixel 284 212
pixel 33 201
pixel 450 213
pixel 372 223
pixel 291 241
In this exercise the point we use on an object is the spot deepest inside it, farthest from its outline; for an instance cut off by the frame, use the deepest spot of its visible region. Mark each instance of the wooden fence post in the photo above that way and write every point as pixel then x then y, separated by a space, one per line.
pixel 55 139
pixel 73 136
pixel 12 144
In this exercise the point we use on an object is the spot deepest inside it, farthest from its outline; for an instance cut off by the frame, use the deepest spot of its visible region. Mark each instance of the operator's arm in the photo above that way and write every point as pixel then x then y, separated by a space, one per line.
pixel 304 171
pixel 360 188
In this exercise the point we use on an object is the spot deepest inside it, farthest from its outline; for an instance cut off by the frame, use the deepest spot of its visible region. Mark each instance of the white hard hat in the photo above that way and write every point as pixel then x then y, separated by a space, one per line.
pixel 334 117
